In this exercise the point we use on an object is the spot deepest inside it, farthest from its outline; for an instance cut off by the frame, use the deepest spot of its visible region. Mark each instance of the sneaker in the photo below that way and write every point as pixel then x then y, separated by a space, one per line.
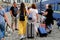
pixel 22 37
pixel 37 34
pixel 50 32
pixel 16 29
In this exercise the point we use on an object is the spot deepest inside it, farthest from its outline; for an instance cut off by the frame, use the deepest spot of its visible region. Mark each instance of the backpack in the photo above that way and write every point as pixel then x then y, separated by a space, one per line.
pixel 22 16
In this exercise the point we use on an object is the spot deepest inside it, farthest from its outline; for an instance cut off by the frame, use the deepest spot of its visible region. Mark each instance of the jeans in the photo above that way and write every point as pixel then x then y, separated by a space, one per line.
pixel 2 30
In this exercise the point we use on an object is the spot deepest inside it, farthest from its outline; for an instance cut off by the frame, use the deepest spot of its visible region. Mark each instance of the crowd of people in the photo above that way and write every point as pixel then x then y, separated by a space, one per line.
pixel 23 15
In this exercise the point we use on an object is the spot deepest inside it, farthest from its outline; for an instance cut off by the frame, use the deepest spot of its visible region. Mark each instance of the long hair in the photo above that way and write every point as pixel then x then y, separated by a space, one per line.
pixel 33 6
pixel 22 7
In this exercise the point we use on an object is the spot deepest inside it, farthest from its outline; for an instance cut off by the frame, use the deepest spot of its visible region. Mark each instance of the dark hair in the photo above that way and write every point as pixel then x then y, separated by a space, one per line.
pixel 14 2
pixel 22 7
pixel 33 6
pixel 50 6
pixel 29 8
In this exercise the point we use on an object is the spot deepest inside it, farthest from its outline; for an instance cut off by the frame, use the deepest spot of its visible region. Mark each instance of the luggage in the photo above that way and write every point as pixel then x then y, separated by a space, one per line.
pixel 30 30
pixel 58 23
pixel 42 31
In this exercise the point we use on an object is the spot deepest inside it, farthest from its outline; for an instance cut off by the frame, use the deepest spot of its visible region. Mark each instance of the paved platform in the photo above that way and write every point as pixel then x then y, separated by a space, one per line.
pixel 55 35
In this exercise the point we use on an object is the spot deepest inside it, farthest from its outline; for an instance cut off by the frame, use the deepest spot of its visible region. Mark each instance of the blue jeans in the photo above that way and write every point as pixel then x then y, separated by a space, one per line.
pixel 2 30
pixel 49 27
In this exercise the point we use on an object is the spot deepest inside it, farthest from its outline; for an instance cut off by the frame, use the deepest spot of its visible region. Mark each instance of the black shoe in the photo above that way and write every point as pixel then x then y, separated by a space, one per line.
pixel 16 29
pixel 21 39
pixel 50 32
pixel 37 33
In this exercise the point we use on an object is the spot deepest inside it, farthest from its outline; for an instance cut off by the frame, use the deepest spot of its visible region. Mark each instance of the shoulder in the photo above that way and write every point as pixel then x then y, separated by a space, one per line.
pixel 30 9
pixel 36 10
pixel 47 10
pixel 11 8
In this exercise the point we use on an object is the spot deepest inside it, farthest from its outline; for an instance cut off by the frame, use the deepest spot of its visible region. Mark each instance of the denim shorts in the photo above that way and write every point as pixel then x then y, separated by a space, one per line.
pixel 2 30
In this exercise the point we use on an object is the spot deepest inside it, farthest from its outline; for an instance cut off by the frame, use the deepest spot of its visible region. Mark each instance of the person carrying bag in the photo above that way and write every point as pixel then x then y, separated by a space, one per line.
pixel 22 21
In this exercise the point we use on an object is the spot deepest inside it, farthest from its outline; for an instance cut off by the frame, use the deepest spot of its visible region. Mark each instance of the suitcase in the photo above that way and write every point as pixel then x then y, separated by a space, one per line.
pixel 30 30
pixel 42 31
pixel 58 23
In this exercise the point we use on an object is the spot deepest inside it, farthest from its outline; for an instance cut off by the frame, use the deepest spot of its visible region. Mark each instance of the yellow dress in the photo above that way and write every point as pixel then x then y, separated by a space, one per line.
pixel 22 26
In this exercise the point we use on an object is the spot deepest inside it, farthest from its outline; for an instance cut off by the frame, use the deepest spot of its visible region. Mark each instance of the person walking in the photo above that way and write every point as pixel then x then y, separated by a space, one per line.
pixel 33 13
pixel 49 17
pixel 3 18
pixel 22 23
pixel 14 12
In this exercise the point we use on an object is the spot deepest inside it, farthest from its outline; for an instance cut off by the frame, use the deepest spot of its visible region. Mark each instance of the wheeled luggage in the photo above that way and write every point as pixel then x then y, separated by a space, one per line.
pixel 42 31
pixel 30 30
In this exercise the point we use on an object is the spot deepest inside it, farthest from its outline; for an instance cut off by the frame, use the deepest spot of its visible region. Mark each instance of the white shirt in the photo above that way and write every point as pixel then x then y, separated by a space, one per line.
pixel 33 13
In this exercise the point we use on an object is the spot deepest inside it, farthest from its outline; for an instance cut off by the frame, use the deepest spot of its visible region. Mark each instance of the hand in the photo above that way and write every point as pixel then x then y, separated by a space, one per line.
pixel 9 24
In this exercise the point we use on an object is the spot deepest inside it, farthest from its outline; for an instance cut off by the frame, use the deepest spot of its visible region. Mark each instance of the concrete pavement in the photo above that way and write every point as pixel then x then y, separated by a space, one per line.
pixel 55 35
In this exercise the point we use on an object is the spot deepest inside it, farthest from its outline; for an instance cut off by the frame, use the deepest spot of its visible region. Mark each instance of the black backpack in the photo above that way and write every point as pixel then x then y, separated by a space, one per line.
pixel 22 16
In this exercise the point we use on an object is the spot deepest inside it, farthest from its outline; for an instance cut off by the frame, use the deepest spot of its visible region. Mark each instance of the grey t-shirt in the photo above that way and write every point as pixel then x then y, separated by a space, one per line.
pixel 2 11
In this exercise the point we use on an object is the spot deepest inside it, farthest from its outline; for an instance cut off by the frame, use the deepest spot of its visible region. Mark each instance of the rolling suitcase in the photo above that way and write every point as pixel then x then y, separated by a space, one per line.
pixel 30 30
pixel 58 23
pixel 42 31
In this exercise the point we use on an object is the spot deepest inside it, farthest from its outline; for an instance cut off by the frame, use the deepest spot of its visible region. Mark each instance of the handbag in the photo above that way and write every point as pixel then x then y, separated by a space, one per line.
pixel 29 18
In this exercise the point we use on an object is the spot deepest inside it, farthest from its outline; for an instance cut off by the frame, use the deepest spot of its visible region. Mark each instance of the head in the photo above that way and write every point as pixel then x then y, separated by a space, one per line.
pixel 33 6
pixel 22 7
pixel 14 4
pixel 48 6
pixel 28 8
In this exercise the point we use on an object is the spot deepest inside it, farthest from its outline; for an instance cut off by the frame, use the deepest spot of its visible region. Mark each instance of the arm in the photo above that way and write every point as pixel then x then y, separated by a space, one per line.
pixel 45 13
pixel 37 16
pixel 27 12
pixel 11 12
pixel 17 10
pixel 6 18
